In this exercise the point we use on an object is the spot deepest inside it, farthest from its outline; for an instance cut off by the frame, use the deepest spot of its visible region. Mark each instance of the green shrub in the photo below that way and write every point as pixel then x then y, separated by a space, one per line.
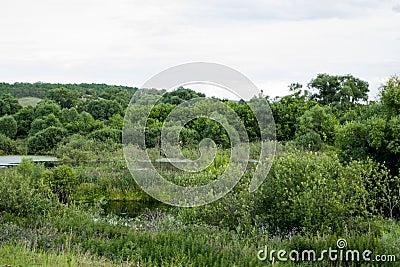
pixel 7 145
pixel 312 193
pixel 106 134
pixel 62 180
pixel 22 194
pixel 309 140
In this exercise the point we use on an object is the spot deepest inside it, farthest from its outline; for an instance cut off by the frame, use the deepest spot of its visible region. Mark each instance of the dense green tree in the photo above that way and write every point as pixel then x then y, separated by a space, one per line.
pixel 349 115
pixel 8 126
pixel 24 119
pixel 375 131
pixel 103 109
pixel 47 107
pixel 287 110
pixel 161 111
pixel 64 97
pixel 295 87
pixel 339 90
pixel 375 137
pixel 84 124
pixel 153 134
pixel 45 140
pixel 42 123
pixel 390 95
pixel 180 95
pixel 383 190
pixel 318 120
pixel 7 145
pixel 8 105
pixel 69 115
pixel 393 135
pixel 116 122
pixel 189 137
pixel 352 140
pixel 118 94
pixel 107 134
pixel 248 119
pixel 373 108
pixel 309 140
pixel 208 128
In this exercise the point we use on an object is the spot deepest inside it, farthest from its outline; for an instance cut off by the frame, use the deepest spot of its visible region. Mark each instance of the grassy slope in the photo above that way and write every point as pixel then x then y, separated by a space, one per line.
pixel 29 101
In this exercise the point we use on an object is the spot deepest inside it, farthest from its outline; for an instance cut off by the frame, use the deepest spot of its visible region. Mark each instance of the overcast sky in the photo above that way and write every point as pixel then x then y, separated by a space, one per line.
pixel 273 42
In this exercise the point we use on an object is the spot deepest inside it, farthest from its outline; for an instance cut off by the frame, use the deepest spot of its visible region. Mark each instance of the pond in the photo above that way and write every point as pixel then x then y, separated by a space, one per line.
pixel 6 161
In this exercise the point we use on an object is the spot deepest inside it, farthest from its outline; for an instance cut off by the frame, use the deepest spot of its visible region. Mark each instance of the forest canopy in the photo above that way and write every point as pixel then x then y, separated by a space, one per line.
pixel 333 113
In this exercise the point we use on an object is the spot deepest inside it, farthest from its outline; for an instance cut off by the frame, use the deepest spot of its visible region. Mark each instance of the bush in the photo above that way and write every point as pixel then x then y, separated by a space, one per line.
pixel 62 180
pixel 236 211
pixel 310 141
pixel 107 134
pixel 304 192
pixel 313 193
pixel 80 149
pixel 22 194
pixel 7 146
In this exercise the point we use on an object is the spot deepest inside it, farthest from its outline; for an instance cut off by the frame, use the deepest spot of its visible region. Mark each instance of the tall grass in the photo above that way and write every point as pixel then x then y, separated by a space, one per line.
pixel 21 255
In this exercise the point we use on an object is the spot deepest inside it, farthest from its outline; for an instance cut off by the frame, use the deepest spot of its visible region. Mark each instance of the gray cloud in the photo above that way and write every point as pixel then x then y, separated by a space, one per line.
pixel 127 41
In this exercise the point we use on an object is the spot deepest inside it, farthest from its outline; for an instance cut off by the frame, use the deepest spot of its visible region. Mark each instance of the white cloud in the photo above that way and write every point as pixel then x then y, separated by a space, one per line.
pixel 274 43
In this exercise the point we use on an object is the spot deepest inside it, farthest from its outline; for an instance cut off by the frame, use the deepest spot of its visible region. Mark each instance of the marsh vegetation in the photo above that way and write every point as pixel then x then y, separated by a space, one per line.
pixel 335 175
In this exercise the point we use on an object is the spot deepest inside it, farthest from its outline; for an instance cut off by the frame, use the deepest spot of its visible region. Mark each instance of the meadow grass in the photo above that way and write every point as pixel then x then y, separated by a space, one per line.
pixel 29 101
pixel 20 255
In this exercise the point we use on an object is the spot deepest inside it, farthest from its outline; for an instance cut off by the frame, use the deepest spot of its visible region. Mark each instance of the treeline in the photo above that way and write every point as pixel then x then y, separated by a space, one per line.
pixel 62 113
pixel 40 89
pixel 340 117
pixel 333 113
